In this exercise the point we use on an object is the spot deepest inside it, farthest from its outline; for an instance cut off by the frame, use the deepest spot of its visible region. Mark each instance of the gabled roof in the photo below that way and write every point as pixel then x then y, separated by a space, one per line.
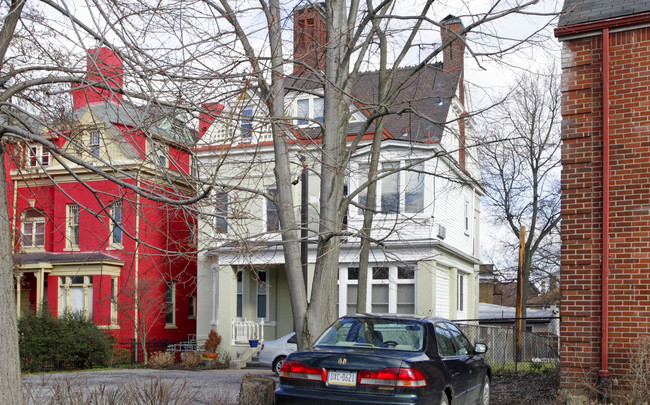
pixel 584 11
pixel 155 120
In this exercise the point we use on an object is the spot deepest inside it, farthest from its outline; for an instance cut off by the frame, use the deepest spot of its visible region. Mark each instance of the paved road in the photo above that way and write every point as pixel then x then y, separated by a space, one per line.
pixel 190 387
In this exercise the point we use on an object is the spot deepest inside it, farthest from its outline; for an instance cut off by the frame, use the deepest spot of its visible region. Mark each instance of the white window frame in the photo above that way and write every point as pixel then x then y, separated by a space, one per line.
pixel 262 289
pixel 33 223
pixel 170 286
pixel 312 116
pixel 66 285
pixel 403 177
pixel 94 142
pixel 239 294
pixel 221 214
pixel 393 281
pixel 117 223
pixel 37 156
pixel 72 226
pixel 467 225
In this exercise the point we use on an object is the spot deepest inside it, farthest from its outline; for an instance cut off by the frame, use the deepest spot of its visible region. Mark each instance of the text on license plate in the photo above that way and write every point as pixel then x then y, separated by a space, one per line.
pixel 348 378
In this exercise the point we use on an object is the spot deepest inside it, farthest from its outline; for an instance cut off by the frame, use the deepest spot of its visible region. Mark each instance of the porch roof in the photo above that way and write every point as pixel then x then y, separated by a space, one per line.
pixel 74 257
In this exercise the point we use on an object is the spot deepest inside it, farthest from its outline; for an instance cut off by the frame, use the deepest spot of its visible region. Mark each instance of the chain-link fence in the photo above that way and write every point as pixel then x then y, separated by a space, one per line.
pixel 539 348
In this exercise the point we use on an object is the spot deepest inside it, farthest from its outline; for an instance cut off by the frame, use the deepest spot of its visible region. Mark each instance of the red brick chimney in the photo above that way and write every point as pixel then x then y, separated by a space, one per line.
pixel 453 55
pixel 453 61
pixel 309 38
pixel 207 116
pixel 104 67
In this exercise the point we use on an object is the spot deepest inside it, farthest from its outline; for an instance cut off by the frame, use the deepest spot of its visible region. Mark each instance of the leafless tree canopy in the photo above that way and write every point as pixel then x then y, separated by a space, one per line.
pixel 180 57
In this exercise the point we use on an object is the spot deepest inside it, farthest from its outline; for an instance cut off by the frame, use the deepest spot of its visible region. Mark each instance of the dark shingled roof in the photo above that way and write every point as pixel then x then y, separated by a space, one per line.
pixel 77 257
pixel 584 11
pixel 421 107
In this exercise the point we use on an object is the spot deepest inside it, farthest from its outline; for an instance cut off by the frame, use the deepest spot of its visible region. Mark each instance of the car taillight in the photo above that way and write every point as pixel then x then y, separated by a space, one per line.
pixel 297 370
pixel 262 346
pixel 393 377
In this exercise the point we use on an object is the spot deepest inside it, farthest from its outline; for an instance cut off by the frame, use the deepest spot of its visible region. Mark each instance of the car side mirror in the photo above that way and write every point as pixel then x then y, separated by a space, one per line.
pixel 480 348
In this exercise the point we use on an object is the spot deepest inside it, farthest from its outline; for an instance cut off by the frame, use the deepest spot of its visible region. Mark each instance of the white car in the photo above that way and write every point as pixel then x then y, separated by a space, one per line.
pixel 275 351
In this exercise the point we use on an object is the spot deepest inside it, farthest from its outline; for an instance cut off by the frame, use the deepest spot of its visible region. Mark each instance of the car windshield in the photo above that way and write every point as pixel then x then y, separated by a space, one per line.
pixel 389 334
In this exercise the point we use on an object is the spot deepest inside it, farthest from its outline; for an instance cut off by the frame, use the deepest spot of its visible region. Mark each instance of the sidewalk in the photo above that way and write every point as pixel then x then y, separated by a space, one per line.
pixel 205 386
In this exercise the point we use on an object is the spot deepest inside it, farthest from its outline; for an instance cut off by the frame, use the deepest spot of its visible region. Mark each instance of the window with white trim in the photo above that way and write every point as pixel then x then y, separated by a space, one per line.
pixel 246 123
pixel 240 294
pixel 72 226
pixel 221 213
pixel 170 303
pixel 76 295
pixel 33 229
pixel 309 110
pixel 262 304
pixel 37 156
pixel 94 142
pixel 400 191
pixel 116 223
pixel 391 289
pixel 467 223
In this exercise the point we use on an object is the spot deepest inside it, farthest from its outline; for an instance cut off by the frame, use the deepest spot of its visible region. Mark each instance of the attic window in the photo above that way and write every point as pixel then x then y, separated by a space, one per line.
pixel 93 143
pixel 309 110
pixel 247 123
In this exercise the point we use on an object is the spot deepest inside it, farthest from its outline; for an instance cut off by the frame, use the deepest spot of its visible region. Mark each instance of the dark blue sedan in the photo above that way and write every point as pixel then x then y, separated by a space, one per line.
pixel 387 359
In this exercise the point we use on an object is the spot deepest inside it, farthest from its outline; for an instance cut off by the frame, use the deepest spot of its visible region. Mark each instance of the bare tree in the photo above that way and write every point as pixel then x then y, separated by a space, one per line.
pixel 359 36
pixel 520 155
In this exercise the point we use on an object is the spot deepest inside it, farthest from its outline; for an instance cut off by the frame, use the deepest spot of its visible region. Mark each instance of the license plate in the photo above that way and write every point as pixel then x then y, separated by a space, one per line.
pixel 347 378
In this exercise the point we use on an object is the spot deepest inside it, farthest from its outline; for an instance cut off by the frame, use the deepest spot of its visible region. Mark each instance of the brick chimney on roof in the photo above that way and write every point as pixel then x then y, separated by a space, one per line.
pixel 453 55
pixel 104 67
pixel 309 38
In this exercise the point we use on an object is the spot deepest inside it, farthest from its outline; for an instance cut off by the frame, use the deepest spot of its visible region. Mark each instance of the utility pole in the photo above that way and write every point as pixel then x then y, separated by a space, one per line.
pixel 519 309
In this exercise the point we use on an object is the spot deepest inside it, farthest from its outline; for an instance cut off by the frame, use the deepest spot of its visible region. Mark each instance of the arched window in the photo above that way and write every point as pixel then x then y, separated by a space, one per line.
pixel 33 230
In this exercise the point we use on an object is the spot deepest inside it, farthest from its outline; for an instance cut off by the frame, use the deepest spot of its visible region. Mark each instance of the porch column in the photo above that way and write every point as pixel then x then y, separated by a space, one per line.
pixel 19 279
pixel 40 281
pixel 453 293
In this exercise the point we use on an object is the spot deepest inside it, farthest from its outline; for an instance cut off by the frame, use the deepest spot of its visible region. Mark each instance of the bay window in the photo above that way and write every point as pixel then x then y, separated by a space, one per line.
pixel 76 295
pixel 402 190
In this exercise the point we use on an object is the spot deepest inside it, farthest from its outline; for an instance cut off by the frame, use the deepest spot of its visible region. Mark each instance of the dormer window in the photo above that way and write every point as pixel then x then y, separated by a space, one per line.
pixel 93 143
pixel 246 123
pixel 37 156
pixel 309 110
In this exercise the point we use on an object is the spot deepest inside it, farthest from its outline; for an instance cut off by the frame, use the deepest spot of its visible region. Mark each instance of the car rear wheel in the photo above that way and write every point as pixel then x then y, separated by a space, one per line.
pixel 485 392
pixel 277 364
pixel 444 400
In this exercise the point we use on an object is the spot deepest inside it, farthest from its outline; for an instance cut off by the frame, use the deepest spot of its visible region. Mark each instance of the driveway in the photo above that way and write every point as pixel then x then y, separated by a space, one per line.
pixel 192 387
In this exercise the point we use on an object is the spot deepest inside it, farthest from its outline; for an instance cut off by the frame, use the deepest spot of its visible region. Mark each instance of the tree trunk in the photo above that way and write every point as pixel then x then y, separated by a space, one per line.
pixel 10 381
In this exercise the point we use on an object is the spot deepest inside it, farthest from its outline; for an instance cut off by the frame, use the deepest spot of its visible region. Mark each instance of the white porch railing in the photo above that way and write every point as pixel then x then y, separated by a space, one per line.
pixel 243 330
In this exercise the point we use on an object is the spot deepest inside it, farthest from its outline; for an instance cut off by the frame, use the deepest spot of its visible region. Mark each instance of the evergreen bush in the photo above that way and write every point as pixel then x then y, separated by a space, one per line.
pixel 69 342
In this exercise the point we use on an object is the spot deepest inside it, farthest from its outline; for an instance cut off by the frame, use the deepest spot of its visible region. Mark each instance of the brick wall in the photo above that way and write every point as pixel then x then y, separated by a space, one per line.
pixel 629 309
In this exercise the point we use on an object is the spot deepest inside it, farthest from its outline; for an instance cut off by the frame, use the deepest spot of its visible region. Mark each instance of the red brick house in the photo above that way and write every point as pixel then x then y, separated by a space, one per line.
pixel 84 242
pixel 605 302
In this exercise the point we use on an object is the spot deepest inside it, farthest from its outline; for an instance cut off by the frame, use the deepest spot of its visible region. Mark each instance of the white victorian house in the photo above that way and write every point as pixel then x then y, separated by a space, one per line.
pixel 425 259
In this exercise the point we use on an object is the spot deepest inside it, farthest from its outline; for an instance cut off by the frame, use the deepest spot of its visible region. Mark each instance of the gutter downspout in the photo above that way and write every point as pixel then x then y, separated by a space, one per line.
pixel 604 373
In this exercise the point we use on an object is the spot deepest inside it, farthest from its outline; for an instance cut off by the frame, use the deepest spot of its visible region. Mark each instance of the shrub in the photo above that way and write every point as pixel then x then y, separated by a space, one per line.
pixel 212 342
pixel 191 359
pixel 161 359
pixel 69 342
